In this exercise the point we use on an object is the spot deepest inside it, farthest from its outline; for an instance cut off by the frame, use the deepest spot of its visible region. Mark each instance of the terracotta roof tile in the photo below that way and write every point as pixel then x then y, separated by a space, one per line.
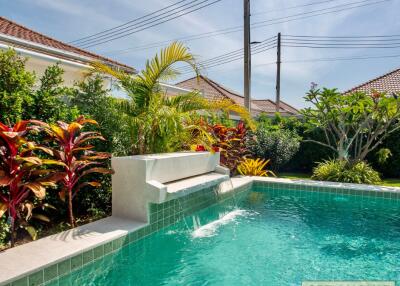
pixel 212 89
pixel 389 83
pixel 13 29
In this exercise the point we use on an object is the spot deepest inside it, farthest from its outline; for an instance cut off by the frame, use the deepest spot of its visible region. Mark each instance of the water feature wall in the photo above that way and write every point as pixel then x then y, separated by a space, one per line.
pixel 157 178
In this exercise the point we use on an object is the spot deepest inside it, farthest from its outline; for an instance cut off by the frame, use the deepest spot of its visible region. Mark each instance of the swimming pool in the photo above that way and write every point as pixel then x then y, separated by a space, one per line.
pixel 263 237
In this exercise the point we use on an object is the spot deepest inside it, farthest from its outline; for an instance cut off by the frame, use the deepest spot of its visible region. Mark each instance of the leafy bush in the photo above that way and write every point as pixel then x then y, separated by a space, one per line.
pixel 94 101
pixel 231 142
pixel 4 232
pixel 15 86
pixel 346 172
pixel 390 167
pixel 20 98
pixel 254 167
pixel 279 146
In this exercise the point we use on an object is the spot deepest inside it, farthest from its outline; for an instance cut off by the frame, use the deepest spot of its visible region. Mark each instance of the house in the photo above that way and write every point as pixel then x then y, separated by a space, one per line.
pixel 389 83
pixel 43 51
pixel 213 90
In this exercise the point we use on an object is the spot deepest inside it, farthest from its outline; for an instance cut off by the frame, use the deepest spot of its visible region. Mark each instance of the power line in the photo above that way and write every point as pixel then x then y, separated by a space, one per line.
pixel 316 46
pixel 343 41
pixel 269 43
pixel 342 59
pixel 127 23
pixel 153 23
pixel 367 57
pixel 232 59
pixel 263 44
pixel 260 24
pixel 228 59
pixel 235 29
pixel 340 37
pixel 131 26
pixel 292 7
pixel 319 10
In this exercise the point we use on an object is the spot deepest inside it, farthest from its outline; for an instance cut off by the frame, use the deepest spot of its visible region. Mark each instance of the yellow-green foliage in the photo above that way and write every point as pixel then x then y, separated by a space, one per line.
pixel 346 172
pixel 254 167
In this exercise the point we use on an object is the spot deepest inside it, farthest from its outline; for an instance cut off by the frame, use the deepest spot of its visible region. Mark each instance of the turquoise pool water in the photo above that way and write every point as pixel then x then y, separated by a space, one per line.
pixel 268 238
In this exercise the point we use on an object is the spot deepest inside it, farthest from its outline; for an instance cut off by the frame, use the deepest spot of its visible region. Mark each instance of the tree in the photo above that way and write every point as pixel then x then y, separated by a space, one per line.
pixel 156 120
pixel 353 124
pixel 21 99
pixel 95 102
pixel 50 100
pixel 15 86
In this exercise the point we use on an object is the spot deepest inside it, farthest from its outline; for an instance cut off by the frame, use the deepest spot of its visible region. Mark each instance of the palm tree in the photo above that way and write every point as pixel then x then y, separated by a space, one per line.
pixel 157 122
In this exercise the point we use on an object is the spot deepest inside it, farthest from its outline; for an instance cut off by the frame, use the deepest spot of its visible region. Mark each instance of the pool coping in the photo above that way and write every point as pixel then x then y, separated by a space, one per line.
pixel 41 261
pixel 345 188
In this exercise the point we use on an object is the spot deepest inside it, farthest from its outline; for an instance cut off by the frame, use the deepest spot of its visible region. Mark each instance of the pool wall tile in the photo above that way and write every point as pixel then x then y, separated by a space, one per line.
pixel 36 279
pixel 88 256
pixel 64 267
pixel 21 282
pixel 76 261
pixel 50 272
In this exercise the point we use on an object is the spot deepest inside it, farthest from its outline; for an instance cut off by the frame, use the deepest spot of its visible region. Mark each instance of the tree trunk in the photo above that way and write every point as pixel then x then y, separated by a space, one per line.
pixel 70 210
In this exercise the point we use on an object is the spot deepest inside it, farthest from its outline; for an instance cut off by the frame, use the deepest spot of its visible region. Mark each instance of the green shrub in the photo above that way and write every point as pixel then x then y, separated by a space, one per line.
pixel 94 101
pixel 4 231
pixel 390 167
pixel 346 172
pixel 309 154
pixel 279 146
pixel 24 96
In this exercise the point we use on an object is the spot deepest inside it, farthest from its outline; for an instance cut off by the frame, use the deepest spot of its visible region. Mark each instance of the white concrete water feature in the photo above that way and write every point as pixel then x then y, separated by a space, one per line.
pixel 140 180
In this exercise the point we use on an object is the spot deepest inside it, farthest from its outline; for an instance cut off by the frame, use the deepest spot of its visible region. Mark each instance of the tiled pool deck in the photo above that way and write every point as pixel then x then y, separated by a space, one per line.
pixel 45 260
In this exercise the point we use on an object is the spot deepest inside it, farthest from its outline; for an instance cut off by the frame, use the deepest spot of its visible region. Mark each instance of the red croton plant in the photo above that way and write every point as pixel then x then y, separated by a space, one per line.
pixel 229 141
pixel 22 173
pixel 76 156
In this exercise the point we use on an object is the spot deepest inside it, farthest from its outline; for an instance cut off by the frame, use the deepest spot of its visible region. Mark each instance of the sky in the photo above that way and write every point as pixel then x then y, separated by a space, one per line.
pixel 68 20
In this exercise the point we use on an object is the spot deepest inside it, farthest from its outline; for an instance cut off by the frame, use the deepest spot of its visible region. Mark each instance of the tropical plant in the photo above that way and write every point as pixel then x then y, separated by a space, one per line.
pixel 232 144
pixel 346 172
pixel 77 157
pixel 21 174
pixel 278 145
pixel 254 167
pixel 156 120
pixel 353 124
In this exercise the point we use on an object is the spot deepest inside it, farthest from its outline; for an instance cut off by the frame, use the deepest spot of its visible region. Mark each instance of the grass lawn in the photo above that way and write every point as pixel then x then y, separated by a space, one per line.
pixel 385 182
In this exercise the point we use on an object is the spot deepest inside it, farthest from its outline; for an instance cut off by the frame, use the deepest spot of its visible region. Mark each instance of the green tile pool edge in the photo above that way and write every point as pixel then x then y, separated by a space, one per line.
pixel 392 195
pixel 161 215
pixel 170 212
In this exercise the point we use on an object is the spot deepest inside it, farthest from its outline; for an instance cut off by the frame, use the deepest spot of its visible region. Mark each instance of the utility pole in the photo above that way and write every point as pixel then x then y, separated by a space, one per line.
pixel 278 74
pixel 247 55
